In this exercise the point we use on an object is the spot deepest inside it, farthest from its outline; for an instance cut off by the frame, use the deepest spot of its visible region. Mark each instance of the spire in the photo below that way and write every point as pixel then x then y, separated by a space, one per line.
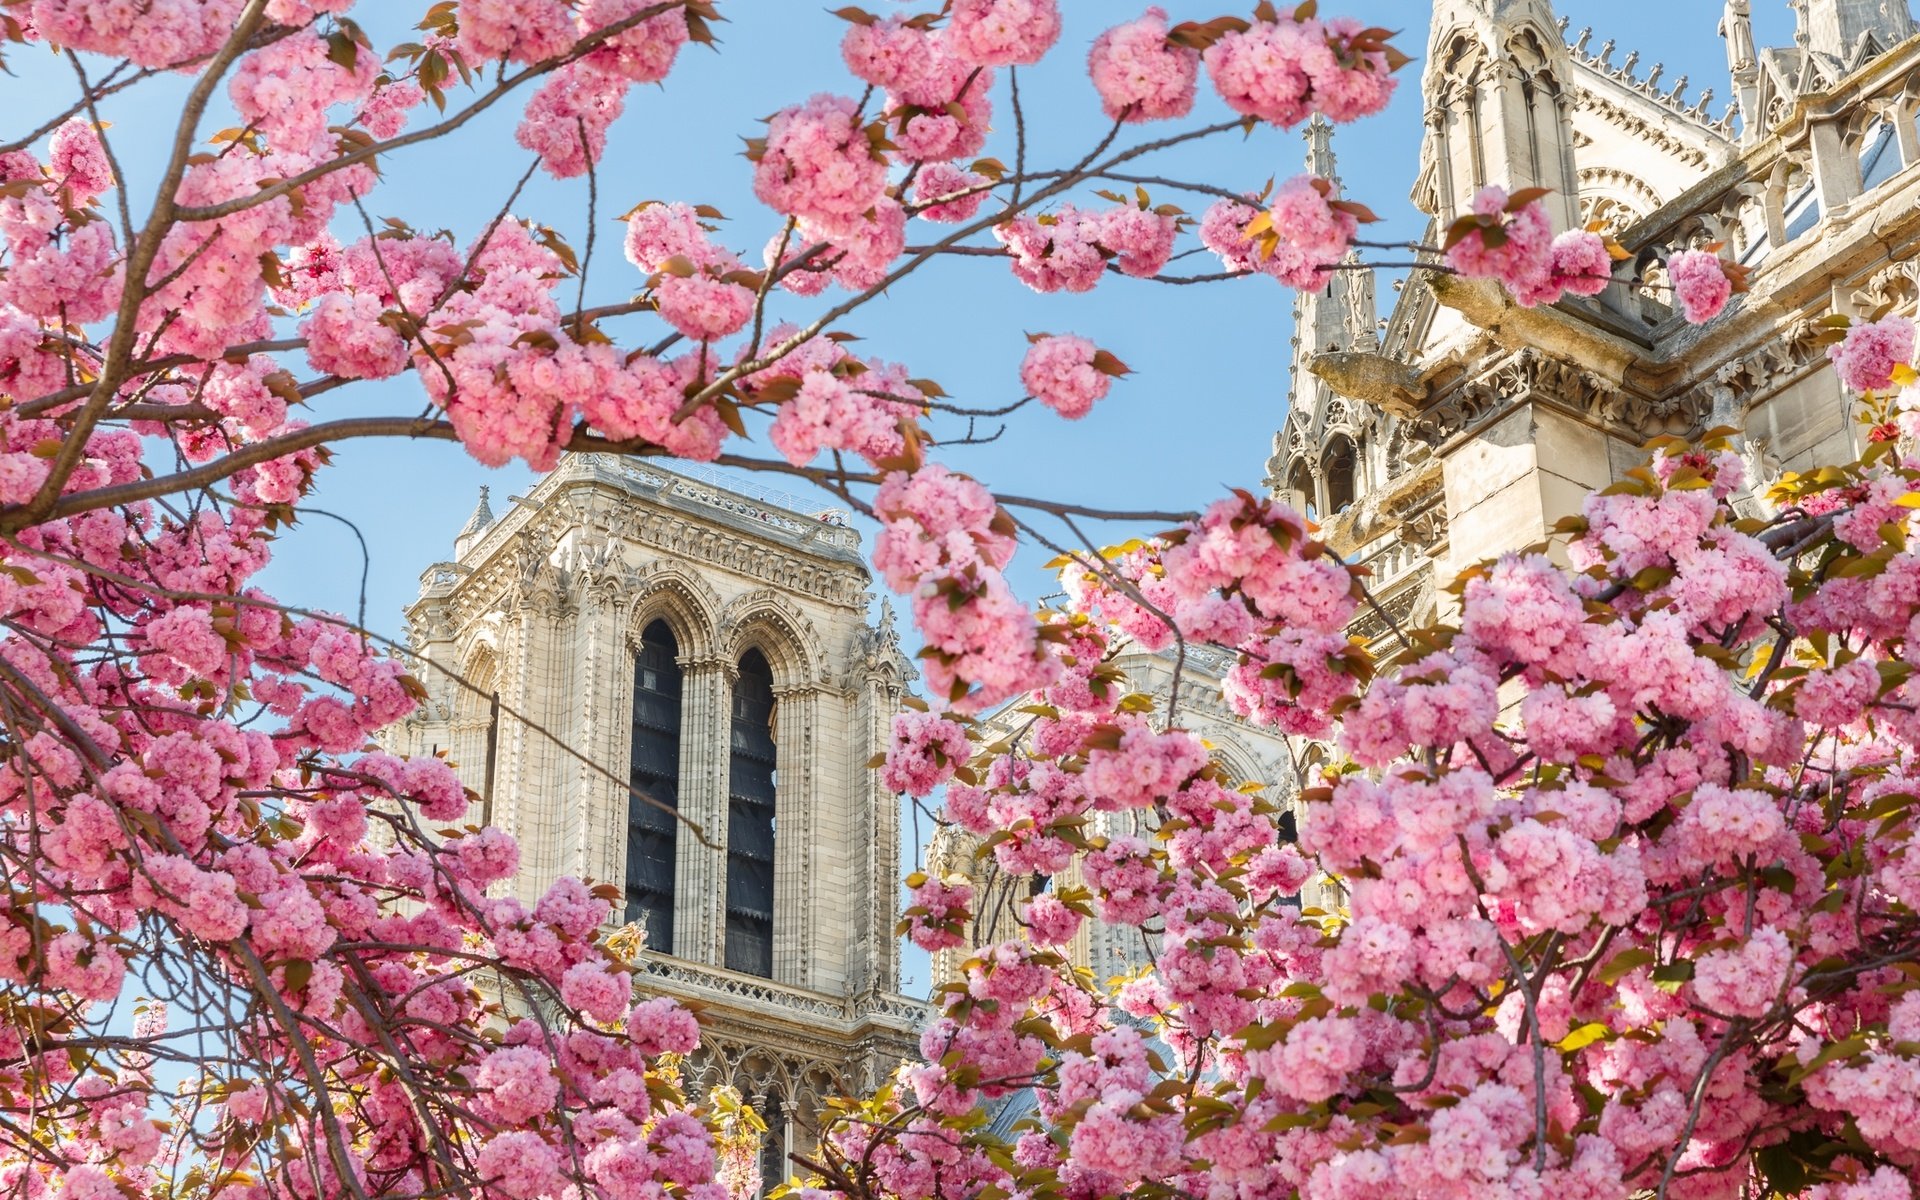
pixel 1837 27
pixel 476 526
pixel 1320 149
pixel 1339 317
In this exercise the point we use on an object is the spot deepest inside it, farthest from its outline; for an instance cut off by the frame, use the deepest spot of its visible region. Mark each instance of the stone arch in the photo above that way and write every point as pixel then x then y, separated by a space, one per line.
pixel 768 622
pixel 1340 472
pixel 1240 761
pixel 687 603
pixel 481 673
pixel 1617 197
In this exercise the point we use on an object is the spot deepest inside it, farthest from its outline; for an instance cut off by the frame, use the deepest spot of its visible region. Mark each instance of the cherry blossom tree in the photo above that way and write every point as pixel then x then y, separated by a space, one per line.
pixel 1649 930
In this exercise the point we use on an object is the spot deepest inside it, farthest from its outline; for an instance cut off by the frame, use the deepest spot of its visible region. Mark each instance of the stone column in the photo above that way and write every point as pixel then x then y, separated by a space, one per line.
pixel 797 899
pixel 1774 205
pixel 603 700
pixel 1508 484
pixel 1904 130
pixel 877 964
pixel 706 717
pixel 524 778
pixel 1836 168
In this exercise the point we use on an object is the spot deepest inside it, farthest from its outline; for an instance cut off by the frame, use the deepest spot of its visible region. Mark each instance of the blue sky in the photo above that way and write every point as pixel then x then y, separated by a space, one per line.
pixel 1210 363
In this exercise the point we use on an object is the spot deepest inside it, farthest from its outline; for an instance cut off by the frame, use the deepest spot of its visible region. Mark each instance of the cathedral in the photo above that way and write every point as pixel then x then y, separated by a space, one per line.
pixel 668 681
pixel 672 682
pixel 1463 425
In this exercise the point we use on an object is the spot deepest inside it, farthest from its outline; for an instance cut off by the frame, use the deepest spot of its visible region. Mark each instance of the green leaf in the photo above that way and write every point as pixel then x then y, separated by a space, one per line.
pixel 1623 963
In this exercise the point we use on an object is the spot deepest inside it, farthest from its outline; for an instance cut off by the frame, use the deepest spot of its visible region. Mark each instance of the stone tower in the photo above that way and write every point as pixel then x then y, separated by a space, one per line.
pixel 668 682
pixel 1838 27
pixel 1498 106
pixel 1491 421
pixel 1339 317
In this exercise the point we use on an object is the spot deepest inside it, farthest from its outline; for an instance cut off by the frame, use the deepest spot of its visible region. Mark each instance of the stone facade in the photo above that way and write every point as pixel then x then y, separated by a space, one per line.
pixel 531 639
pixel 1462 425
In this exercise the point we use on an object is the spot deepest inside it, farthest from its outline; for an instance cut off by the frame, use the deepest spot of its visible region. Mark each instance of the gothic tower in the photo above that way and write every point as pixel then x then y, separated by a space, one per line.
pixel 1320 456
pixel 668 682
pixel 1499 106
pixel 1496 421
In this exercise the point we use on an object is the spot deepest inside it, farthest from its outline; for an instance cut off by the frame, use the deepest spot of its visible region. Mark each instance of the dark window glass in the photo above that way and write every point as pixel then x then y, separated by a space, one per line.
pixel 652 833
pixel 1338 470
pixel 750 825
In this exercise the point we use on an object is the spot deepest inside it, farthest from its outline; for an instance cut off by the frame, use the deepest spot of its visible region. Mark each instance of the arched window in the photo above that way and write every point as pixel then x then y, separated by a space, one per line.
pixel 750 827
pixel 1300 483
pixel 1338 471
pixel 652 830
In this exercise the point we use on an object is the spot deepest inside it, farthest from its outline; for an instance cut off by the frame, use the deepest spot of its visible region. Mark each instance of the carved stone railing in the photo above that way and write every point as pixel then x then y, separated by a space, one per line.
pixel 713 489
pixel 441 578
pixel 1813 145
pixel 1672 100
pixel 786 517
pixel 844 1014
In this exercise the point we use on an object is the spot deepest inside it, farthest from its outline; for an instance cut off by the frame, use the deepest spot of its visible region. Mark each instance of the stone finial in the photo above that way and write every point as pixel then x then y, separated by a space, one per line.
pixel 1320 160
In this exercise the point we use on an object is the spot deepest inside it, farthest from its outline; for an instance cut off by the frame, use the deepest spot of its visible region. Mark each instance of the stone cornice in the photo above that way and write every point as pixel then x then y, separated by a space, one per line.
pixel 684 536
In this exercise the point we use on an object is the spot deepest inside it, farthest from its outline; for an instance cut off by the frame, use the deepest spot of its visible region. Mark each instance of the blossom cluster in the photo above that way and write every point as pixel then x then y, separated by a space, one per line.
pixel 1509 239
pixel 1595 873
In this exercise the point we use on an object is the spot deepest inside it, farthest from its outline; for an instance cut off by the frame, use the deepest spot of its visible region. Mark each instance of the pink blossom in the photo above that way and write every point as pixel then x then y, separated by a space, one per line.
pixel 519 1163
pixel 925 752
pixel 567 120
pixel 704 308
pixel 1140 77
pixel 385 113
pixel 1514 248
pixel 1700 284
pixel 658 232
pixel 1838 696
pixel 1269 71
pixel 1001 33
pixel 1747 981
pixel 944 112
pixel 516 1085
pixel 1060 253
pixel 77 160
pixel 1062 373
pixel 1313 1063
pixel 516 30
pixel 641 53
pixel 1866 359
pixel 889 54
pixel 1580 263
pixel 163 34
pixel 938 180
pixel 1140 239
pixel 936 920
pixel 345 337
pixel 1310 236
pixel 601 993
pixel 818 163
pixel 1049 921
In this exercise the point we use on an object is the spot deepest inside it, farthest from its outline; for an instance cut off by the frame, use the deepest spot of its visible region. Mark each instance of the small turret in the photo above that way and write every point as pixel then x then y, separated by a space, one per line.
pixel 1339 317
pixel 476 526
pixel 1499 107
